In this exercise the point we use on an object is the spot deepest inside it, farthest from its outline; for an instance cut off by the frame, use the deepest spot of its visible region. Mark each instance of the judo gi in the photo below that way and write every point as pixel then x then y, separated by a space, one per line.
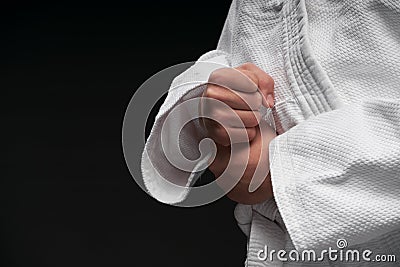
pixel 335 165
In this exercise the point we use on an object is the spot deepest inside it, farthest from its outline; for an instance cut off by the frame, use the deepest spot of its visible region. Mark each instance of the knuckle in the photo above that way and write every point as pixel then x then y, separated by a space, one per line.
pixel 210 91
pixel 215 92
pixel 250 76
pixel 217 76
pixel 268 81
pixel 213 76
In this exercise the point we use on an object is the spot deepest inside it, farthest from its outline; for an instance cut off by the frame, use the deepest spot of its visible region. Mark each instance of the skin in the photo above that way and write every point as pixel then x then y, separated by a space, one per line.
pixel 250 83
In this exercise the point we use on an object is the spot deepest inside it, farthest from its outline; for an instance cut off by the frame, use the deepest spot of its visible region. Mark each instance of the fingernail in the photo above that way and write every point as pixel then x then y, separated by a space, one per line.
pixel 270 101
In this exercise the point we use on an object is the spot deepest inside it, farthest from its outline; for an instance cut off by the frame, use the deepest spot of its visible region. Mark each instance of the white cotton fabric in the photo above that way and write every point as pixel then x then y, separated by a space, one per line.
pixel 335 166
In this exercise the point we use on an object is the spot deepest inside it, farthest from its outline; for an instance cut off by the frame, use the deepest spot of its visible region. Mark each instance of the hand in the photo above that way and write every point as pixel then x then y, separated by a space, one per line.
pixel 257 153
pixel 243 89
pixel 250 87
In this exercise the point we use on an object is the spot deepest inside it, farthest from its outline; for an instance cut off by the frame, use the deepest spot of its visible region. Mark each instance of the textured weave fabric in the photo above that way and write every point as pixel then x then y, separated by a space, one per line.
pixel 335 166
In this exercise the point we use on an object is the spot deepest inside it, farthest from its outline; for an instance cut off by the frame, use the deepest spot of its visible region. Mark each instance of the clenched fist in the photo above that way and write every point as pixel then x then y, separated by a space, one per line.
pixel 244 90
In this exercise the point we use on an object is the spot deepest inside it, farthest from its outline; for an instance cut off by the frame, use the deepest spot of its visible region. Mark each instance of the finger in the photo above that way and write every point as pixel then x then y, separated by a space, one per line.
pixel 247 118
pixel 233 79
pixel 227 136
pixel 234 99
pixel 263 81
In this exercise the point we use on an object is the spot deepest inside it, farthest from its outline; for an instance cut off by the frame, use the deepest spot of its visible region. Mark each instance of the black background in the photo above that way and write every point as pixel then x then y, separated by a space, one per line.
pixel 67 199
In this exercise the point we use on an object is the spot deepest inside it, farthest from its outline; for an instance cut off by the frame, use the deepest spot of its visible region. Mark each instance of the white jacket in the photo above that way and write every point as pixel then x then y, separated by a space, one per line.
pixel 335 166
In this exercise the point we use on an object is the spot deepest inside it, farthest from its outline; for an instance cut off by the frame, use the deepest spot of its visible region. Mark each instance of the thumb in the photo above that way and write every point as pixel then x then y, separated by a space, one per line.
pixel 264 82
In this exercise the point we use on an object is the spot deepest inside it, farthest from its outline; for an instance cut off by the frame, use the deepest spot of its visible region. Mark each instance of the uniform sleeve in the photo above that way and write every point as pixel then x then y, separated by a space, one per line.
pixel 337 175
pixel 159 174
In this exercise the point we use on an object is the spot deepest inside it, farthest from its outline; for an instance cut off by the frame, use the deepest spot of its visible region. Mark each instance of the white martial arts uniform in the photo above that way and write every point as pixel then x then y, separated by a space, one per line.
pixel 336 164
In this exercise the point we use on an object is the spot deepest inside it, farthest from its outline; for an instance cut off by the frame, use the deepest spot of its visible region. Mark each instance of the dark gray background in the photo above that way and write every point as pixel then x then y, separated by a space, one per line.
pixel 68 71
